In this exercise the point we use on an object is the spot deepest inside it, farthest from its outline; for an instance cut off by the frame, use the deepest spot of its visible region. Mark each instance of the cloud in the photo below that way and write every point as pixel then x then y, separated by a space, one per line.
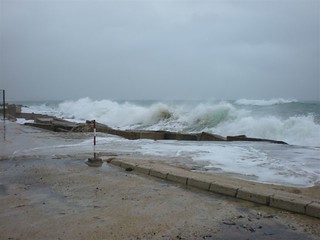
pixel 160 49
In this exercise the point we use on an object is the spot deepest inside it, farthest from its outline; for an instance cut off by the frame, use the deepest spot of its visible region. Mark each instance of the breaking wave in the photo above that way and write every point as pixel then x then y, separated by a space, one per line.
pixel 297 126
pixel 264 102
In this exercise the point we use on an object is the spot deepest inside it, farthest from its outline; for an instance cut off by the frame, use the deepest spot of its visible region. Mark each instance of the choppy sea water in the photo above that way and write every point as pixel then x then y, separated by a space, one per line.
pixel 297 123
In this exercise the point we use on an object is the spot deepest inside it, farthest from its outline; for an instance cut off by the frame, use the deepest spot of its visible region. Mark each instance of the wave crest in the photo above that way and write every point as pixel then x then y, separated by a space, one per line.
pixel 270 102
pixel 206 116
pixel 296 124
pixel 158 112
pixel 298 130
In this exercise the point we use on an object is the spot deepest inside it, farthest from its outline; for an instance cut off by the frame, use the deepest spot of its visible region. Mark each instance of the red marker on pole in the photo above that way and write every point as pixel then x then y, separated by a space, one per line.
pixel 94 139
pixel 95 161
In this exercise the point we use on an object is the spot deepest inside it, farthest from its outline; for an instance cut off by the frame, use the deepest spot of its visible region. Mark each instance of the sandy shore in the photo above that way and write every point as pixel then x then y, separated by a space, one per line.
pixel 59 197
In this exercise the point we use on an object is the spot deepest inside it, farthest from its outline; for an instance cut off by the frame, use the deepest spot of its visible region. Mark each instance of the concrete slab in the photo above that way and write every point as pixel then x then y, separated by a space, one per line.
pixel 152 135
pixel 43 120
pixel 116 162
pixel 158 173
pixel 254 194
pixel 313 209
pixel 224 188
pixel 290 202
pixel 142 169
pixel 127 165
pixel 176 178
pixel 201 184
pixel 40 125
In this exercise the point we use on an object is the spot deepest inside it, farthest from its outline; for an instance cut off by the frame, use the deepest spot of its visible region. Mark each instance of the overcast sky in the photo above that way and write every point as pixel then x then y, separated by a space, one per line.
pixel 69 49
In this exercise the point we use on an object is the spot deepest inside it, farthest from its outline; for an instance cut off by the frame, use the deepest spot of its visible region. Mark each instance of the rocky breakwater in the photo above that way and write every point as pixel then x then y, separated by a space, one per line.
pixel 52 124
pixel 60 125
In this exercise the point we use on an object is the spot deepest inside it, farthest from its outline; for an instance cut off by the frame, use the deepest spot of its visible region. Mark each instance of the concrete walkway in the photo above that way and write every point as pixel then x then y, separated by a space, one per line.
pixel 297 200
pixel 46 194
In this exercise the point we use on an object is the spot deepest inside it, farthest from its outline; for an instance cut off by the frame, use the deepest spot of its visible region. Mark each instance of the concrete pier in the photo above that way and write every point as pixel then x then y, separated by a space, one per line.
pixel 265 194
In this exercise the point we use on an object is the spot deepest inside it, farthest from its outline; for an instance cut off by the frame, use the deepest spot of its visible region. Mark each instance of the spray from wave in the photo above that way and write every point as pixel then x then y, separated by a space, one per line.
pixel 279 119
pixel 115 114
pixel 270 102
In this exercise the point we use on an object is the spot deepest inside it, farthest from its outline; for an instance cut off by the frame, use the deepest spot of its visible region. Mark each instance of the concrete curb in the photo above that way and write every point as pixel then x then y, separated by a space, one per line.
pixel 254 192
pixel 255 195
pixel 224 188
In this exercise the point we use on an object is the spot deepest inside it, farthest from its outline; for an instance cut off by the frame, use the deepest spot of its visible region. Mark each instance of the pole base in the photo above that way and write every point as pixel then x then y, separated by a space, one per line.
pixel 94 162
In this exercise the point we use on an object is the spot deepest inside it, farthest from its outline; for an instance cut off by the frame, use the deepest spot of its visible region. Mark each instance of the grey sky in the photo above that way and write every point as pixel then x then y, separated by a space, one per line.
pixel 69 49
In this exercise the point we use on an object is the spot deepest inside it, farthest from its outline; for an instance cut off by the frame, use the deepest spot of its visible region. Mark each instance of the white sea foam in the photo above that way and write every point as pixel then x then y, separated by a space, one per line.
pixel 297 130
pixel 294 122
pixel 269 163
pixel 297 126
pixel 23 121
pixel 40 108
pixel 264 102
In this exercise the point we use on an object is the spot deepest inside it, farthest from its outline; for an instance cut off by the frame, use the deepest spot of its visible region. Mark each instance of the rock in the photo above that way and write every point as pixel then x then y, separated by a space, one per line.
pixel 229 223
pixel 83 128
pixel 41 125
pixel 204 136
pixel 155 135
pixel 94 162
pixel 170 136
pixel 60 125
pixel 249 139
pixel 186 137
pixel 44 120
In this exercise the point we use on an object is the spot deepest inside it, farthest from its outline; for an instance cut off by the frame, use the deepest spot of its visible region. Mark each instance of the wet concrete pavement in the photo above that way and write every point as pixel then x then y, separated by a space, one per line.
pixel 59 197
pixel 65 199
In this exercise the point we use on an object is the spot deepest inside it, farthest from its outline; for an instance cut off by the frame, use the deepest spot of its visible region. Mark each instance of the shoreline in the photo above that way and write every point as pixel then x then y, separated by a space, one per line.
pixel 312 194
pixel 59 196
pixel 299 200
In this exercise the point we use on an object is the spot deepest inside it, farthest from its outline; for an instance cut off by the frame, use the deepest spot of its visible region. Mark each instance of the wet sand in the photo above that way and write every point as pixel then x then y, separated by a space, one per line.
pixel 59 197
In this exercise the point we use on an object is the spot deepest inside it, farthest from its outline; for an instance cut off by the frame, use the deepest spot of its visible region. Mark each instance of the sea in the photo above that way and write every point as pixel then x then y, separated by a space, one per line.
pixel 295 122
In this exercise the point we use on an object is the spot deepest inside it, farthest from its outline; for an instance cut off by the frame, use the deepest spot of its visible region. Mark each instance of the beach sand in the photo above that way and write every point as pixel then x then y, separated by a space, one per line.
pixel 60 197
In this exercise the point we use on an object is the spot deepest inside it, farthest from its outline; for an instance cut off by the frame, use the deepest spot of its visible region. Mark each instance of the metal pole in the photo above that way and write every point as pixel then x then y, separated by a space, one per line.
pixel 4 104
pixel 95 161
pixel 94 139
